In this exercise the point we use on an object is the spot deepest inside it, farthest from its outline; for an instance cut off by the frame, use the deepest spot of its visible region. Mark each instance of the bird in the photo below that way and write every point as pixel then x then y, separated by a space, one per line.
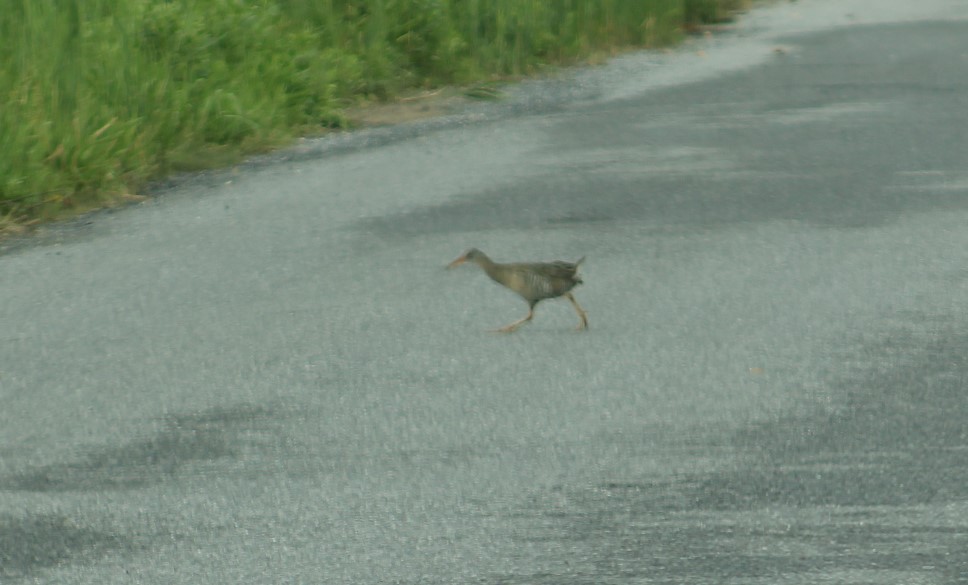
pixel 533 281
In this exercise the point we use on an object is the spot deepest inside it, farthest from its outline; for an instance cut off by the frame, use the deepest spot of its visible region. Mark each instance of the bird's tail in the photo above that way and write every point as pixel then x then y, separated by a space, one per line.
pixel 579 261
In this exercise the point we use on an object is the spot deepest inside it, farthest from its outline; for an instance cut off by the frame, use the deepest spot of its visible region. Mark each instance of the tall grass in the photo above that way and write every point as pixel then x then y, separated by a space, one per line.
pixel 99 96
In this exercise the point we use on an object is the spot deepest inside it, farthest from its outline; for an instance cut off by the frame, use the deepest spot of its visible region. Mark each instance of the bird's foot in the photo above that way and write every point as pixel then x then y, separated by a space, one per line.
pixel 507 329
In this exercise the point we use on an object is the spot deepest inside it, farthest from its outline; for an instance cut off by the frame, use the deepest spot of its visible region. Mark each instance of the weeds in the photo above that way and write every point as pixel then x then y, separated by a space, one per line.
pixel 98 96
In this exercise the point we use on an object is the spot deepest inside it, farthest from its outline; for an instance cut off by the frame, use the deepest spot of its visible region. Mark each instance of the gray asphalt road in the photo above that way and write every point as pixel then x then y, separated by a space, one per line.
pixel 266 375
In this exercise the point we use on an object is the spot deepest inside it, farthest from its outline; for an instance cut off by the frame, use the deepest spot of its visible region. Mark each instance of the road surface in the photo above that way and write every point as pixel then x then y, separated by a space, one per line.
pixel 265 375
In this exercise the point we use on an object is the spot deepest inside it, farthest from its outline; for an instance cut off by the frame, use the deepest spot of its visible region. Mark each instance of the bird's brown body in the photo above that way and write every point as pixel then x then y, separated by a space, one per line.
pixel 533 281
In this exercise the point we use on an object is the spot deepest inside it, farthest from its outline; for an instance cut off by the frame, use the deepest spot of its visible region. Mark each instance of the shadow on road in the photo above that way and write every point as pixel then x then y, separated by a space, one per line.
pixel 870 492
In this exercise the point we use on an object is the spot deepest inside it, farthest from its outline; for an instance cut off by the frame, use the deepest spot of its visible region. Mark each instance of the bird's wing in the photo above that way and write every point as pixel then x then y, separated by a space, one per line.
pixel 558 269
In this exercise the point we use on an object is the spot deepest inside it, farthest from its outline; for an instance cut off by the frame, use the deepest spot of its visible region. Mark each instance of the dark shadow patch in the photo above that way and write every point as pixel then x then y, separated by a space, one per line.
pixel 45 541
pixel 860 490
pixel 753 146
pixel 656 202
pixel 187 439
pixel 899 439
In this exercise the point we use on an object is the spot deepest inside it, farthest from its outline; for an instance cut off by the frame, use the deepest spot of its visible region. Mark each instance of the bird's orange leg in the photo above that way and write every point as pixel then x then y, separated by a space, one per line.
pixel 513 326
pixel 581 312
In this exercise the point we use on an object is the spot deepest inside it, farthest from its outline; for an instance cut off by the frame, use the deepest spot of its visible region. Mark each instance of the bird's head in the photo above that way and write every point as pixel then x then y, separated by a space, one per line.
pixel 473 255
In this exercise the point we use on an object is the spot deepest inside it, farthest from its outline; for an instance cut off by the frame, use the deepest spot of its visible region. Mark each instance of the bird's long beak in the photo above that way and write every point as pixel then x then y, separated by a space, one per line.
pixel 458 262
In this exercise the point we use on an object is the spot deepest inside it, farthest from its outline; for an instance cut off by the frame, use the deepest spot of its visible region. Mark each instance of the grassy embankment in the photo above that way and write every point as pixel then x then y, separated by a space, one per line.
pixel 97 97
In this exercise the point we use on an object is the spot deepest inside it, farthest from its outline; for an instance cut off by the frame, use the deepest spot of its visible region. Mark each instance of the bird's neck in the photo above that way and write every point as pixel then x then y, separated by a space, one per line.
pixel 492 268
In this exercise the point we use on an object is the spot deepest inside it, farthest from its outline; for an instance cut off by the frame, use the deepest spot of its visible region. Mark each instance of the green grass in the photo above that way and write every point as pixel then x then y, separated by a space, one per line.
pixel 97 97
